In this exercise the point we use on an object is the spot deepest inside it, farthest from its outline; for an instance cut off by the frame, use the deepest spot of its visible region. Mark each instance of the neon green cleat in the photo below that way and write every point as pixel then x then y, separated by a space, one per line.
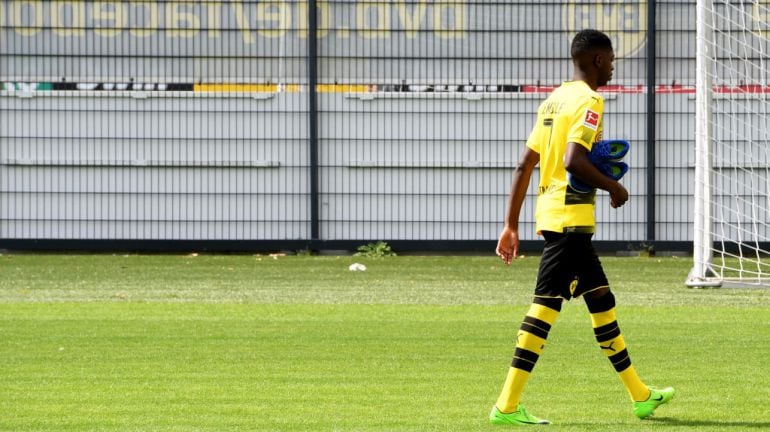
pixel 518 417
pixel 657 398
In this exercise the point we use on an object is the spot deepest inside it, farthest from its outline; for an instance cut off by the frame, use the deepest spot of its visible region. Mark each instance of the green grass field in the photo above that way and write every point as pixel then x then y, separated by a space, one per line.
pixel 118 343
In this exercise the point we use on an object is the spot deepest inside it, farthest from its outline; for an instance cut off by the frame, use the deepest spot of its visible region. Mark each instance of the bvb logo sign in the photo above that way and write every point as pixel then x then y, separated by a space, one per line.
pixel 624 22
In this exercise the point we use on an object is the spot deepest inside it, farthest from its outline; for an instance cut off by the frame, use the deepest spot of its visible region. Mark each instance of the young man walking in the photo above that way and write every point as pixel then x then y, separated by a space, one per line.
pixel 568 123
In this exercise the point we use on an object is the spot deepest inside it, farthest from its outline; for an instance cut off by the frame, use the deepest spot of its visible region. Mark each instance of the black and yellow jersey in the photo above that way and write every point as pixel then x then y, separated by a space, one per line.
pixel 572 113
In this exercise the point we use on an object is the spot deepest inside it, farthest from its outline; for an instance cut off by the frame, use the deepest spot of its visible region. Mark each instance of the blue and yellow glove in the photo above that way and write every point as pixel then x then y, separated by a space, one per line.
pixel 606 155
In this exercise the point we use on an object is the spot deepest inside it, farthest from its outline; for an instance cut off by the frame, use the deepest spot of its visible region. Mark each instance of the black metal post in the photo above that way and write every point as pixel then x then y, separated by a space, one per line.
pixel 312 74
pixel 651 117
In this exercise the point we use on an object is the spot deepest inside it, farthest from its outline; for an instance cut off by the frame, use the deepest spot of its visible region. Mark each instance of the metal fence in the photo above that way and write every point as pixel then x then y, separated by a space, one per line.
pixel 261 125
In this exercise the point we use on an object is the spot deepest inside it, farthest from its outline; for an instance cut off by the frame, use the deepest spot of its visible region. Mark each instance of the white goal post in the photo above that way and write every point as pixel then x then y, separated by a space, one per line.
pixel 732 152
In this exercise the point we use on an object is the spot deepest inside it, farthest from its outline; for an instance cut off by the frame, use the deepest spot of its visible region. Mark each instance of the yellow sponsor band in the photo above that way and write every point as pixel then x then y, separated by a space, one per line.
pixel 274 88
pixel 342 88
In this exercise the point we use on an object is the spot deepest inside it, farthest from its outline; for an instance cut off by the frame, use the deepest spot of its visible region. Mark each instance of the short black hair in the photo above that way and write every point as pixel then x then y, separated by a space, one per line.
pixel 589 40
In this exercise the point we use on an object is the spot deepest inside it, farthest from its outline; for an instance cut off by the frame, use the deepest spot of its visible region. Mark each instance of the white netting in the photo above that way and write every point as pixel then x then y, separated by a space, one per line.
pixel 734 174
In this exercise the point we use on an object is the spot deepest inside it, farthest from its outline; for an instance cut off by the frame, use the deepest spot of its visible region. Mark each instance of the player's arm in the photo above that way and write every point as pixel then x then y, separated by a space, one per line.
pixel 508 244
pixel 577 163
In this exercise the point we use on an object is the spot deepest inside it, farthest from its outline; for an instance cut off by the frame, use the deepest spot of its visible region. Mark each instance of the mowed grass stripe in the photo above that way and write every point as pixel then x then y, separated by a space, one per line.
pixel 359 367
pixel 326 280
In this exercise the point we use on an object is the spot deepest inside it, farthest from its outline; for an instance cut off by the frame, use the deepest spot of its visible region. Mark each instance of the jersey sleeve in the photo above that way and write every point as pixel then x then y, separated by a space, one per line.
pixel 586 124
pixel 533 142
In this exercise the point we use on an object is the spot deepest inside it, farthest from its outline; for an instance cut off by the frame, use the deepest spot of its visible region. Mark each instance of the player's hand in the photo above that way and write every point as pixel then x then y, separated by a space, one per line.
pixel 508 245
pixel 618 196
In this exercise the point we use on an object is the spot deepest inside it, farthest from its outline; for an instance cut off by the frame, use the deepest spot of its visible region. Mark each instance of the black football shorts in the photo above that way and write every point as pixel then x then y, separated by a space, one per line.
pixel 569 266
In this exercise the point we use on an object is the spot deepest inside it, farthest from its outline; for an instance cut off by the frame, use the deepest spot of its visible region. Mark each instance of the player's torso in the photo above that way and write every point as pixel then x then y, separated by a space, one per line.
pixel 559 117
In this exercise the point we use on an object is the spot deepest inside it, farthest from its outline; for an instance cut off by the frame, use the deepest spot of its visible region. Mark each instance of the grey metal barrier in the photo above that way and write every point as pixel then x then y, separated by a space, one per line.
pixel 251 125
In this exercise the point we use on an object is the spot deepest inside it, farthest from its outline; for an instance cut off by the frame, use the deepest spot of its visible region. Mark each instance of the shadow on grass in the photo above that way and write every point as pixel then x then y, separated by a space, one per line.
pixel 725 424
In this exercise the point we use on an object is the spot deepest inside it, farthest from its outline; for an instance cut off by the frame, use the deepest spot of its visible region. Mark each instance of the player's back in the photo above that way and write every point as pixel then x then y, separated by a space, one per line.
pixel 572 113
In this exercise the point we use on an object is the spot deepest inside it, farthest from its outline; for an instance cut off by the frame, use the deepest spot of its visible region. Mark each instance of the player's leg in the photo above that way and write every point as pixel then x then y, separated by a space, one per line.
pixel 601 305
pixel 530 342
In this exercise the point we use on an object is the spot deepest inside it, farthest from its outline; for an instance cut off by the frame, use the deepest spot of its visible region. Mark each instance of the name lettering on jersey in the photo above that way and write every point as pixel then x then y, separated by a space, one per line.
pixel 591 119
pixel 546 189
pixel 549 108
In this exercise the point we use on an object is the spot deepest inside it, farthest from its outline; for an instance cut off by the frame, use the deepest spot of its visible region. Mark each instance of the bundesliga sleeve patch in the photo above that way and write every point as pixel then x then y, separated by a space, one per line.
pixel 591 120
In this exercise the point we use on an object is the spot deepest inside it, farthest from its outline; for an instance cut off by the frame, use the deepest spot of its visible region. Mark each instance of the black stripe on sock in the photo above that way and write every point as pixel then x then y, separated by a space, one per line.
pixel 537 323
pixel 552 303
pixel 607 332
pixel 522 364
pixel 526 355
pixel 623 365
pixel 621 361
pixel 529 328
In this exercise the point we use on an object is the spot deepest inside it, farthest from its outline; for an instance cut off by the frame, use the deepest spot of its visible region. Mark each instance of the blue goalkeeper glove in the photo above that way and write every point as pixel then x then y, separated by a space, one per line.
pixel 606 156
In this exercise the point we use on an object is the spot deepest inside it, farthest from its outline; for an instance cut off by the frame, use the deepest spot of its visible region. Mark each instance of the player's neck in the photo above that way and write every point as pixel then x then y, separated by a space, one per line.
pixel 589 80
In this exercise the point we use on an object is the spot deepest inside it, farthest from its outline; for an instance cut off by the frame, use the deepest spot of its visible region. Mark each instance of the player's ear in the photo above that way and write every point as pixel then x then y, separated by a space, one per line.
pixel 599 59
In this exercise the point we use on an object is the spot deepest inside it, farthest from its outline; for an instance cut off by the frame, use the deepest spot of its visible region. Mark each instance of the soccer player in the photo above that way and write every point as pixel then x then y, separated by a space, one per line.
pixel 568 123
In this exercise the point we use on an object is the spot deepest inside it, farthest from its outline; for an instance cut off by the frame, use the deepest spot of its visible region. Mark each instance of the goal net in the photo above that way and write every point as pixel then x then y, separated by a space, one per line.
pixel 732 152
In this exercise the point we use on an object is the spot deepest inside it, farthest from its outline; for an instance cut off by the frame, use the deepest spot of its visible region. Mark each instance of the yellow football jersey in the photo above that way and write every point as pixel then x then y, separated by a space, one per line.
pixel 572 113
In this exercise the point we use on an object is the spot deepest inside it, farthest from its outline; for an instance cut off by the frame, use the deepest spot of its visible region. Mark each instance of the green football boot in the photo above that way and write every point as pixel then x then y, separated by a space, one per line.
pixel 657 398
pixel 518 417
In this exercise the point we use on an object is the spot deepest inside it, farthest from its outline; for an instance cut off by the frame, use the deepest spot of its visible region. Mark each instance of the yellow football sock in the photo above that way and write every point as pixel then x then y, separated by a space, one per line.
pixel 530 341
pixel 613 345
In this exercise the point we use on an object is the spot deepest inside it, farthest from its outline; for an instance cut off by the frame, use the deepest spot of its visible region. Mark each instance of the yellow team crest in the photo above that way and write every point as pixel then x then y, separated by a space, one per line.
pixel 624 22
pixel 573 286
